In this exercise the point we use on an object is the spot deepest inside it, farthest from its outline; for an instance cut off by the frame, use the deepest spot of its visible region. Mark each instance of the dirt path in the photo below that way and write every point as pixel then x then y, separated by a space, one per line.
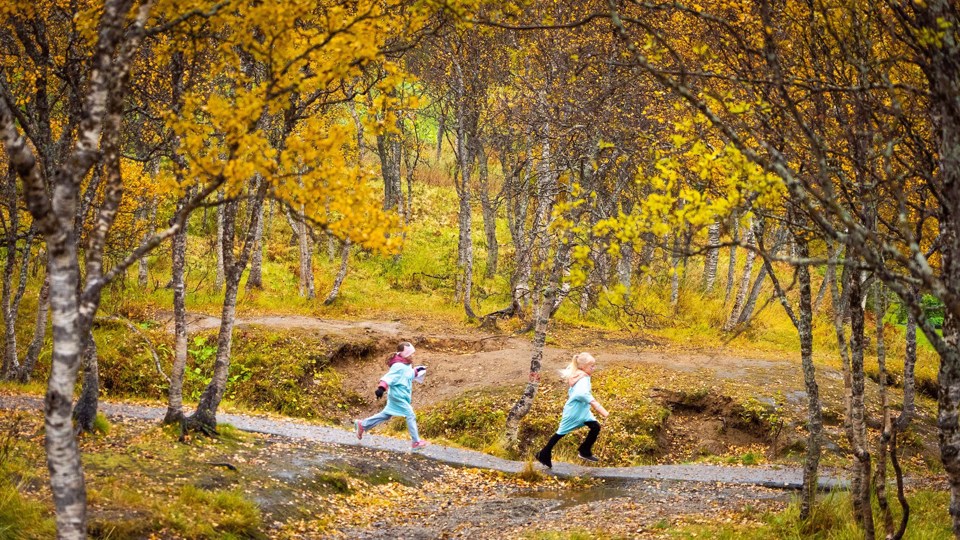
pixel 771 477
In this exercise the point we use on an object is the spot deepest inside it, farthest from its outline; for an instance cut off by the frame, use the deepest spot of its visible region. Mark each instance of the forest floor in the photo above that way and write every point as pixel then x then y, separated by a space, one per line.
pixel 310 481
pixel 313 481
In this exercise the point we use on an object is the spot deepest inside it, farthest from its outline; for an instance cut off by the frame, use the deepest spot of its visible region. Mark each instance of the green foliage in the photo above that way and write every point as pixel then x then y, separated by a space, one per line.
pixel 932 306
pixel 832 519
pixel 100 424
pixel 126 362
pixel 755 412
pixel 474 420
pixel 293 375
pixel 199 513
pixel 22 518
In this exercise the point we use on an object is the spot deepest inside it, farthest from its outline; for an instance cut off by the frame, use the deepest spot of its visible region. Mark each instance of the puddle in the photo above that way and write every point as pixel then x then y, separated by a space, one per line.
pixel 570 498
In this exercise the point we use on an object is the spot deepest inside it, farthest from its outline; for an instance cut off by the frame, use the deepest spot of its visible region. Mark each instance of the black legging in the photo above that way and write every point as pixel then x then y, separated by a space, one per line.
pixel 586 448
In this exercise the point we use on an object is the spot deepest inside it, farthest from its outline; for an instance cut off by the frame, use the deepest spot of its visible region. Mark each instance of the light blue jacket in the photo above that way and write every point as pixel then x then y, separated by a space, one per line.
pixel 399 386
pixel 577 411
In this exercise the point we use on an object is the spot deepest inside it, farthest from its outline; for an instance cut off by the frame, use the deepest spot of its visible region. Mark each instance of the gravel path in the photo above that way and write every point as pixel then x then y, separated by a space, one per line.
pixel 771 477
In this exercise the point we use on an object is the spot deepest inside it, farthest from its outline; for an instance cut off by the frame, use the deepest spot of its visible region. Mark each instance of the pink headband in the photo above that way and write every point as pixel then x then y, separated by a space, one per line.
pixel 407 351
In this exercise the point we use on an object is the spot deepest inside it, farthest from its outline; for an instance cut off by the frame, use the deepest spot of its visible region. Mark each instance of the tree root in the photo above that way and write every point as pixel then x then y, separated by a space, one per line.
pixel 489 321
pixel 192 424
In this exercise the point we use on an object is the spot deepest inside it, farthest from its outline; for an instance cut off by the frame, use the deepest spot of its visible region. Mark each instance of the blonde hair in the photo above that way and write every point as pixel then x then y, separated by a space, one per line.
pixel 579 361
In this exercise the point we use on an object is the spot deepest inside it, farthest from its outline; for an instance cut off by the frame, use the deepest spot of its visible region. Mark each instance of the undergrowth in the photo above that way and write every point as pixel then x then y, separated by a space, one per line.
pixel 832 519
pixel 630 435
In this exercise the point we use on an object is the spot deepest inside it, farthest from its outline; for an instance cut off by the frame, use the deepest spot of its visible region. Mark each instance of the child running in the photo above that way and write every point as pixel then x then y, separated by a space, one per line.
pixel 398 383
pixel 576 412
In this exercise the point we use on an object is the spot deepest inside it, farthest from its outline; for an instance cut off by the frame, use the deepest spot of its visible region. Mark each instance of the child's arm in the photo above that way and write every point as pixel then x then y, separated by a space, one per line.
pixel 385 383
pixel 381 388
pixel 599 408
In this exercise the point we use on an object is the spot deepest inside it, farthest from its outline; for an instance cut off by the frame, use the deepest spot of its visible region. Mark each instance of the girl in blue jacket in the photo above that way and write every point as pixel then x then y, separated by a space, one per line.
pixel 576 412
pixel 398 384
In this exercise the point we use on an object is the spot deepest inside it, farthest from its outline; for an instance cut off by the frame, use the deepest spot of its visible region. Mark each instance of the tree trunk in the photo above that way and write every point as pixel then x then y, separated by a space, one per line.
pixel 732 262
pixel 744 282
pixel 675 271
pixel 175 392
pixel 713 256
pixel 255 277
pixel 11 364
pixel 545 194
pixel 85 410
pixel 646 256
pixel 747 312
pixel 331 247
pixel 205 417
pixel 814 407
pixel 301 235
pixel 151 216
pixel 464 216
pixel 465 247
pixel 307 287
pixel 218 281
pixel 545 310
pixel 440 131
pixel 880 481
pixel 625 269
pixel 943 72
pixel 489 212
pixel 903 420
pixel 516 180
pixel 857 412
pixel 828 277
pixel 341 274
pixel 388 149
pixel 39 334
pixel 63 455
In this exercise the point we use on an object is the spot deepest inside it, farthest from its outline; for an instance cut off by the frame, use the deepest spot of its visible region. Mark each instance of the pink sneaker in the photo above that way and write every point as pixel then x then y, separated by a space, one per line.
pixel 360 429
pixel 419 445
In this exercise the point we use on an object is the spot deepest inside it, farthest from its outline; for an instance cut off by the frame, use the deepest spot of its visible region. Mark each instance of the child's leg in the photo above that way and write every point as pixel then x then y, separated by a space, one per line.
pixel 412 427
pixel 545 455
pixel 375 420
pixel 586 449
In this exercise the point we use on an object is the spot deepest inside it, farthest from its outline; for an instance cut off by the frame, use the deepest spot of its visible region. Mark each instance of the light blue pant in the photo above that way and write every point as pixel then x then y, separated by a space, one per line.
pixel 381 417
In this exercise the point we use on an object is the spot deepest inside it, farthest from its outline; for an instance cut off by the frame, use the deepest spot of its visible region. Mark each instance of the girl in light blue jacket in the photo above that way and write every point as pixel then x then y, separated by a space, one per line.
pixel 398 385
pixel 576 412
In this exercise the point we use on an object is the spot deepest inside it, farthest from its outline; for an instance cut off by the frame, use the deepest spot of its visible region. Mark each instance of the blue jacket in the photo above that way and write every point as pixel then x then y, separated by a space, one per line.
pixel 577 411
pixel 399 387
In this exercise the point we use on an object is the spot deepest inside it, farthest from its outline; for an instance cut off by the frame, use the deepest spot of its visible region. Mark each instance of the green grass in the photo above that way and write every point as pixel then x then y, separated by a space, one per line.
pixel 22 517
pixel 199 513
pixel 832 519
pixel 24 514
